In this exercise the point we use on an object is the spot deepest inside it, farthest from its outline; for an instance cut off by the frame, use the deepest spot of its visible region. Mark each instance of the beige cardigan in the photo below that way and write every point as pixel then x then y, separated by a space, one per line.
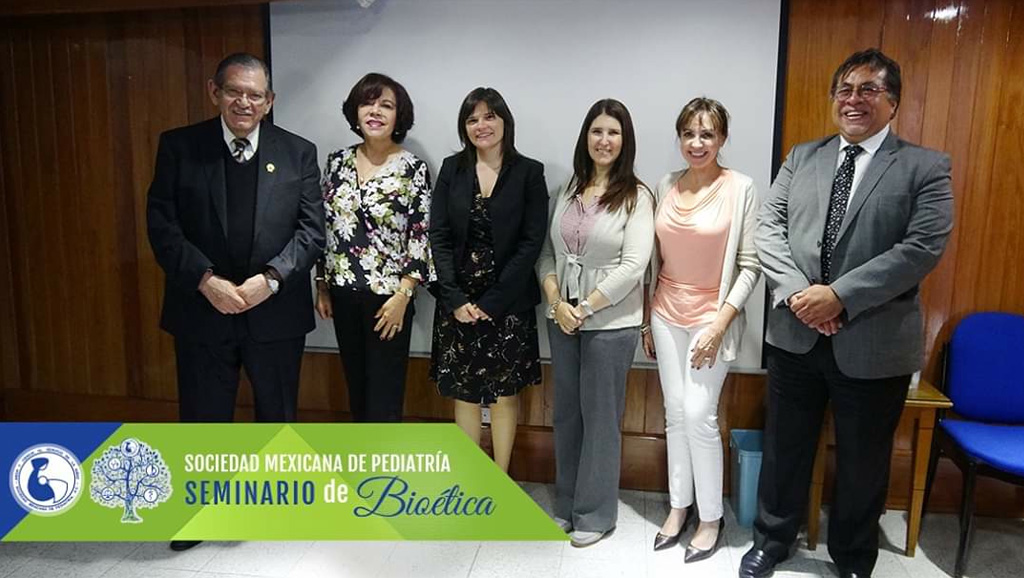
pixel 740 269
pixel 613 260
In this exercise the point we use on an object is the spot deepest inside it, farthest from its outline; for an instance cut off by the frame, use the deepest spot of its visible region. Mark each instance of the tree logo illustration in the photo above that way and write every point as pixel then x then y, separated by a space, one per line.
pixel 130 476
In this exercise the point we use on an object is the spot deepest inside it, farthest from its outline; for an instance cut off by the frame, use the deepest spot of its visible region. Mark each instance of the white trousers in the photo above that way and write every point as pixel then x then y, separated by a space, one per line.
pixel 691 419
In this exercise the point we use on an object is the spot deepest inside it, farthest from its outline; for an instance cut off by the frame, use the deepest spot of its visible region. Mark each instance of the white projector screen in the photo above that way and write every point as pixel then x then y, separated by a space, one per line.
pixel 550 59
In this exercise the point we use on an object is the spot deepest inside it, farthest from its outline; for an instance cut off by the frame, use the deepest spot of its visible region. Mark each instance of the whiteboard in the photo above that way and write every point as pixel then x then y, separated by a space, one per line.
pixel 550 59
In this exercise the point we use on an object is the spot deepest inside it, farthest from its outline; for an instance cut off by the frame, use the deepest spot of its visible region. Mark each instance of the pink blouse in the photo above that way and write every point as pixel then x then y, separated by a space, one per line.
pixel 692 245
pixel 577 221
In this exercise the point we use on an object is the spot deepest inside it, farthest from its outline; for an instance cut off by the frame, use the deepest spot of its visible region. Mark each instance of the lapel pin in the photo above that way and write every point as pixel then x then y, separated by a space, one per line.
pixel 270 167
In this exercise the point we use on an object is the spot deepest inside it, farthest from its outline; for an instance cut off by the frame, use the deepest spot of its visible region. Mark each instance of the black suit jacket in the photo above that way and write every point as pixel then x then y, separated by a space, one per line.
pixel 519 211
pixel 187 222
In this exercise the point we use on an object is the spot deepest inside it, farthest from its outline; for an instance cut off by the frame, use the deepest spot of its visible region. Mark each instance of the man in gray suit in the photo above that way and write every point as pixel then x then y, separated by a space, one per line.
pixel 852 225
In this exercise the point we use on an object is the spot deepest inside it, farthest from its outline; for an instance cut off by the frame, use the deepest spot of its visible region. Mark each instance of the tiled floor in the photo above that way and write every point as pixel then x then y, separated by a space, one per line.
pixel 997 552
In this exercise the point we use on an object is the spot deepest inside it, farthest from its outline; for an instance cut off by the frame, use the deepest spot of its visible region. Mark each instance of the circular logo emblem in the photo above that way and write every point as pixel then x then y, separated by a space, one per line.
pixel 46 479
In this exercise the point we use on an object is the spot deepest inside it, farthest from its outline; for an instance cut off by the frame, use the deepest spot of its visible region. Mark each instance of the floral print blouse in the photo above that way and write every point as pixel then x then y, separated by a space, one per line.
pixel 377 232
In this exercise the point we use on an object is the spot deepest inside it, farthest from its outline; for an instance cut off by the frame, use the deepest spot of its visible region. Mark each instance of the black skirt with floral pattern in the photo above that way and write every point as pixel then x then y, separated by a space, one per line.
pixel 478 363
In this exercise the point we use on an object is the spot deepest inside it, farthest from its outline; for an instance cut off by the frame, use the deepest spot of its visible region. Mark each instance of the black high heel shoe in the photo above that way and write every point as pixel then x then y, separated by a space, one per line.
pixel 694 554
pixel 663 542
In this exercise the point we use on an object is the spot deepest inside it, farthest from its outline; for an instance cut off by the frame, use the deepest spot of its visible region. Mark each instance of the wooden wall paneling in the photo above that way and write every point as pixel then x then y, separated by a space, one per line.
pixel 940 62
pixel 20 7
pixel 979 199
pixel 105 326
pixel 125 215
pixel 210 35
pixel 421 398
pixel 926 50
pixel 906 38
pixel 67 212
pixel 28 211
pixel 155 52
pixel 814 55
pixel 654 412
pixel 212 38
pixel 322 385
pixel 196 74
pixel 48 250
pixel 744 394
pixel 533 458
pixel 548 389
pixel 955 63
pixel 532 406
pixel 13 182
pixel 635 403
pixel 644 463
pixel 79 133
pixel 88 141
pixel 1003 257
pixel 10 369
pixel 549 397
pixel 231 33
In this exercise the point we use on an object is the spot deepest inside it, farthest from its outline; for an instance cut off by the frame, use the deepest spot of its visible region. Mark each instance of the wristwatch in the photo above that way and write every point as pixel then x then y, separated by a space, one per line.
pixel 274 284
pixel 585 306
pixel 406 291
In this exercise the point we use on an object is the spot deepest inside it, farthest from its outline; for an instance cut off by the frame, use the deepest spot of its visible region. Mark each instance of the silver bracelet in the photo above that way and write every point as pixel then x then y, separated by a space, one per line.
pixel 553 308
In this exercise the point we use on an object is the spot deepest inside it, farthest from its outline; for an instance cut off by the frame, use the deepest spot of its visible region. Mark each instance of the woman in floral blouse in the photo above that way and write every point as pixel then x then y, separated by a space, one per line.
pixel 377 200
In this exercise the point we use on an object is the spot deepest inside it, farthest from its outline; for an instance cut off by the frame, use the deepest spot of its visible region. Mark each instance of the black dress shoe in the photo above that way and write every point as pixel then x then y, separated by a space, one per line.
pixel 663 541
pixel 694 554
pixel 851 574
pixel 757 564
pixel 182 545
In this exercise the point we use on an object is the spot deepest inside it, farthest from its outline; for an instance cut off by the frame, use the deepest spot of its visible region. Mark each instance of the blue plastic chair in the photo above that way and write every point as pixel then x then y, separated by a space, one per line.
pixel 983 373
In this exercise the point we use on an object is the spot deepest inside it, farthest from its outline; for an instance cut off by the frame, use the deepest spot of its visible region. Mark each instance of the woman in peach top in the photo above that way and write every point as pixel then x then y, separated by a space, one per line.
pixel 704 268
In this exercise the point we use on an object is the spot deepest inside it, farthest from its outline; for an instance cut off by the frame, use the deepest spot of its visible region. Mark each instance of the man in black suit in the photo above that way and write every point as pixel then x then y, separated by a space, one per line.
pixel 236 222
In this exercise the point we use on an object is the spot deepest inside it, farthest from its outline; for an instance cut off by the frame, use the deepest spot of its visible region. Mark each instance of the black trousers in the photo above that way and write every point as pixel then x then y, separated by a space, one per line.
pixel 374 369
pixel 866 413
pixel 208 376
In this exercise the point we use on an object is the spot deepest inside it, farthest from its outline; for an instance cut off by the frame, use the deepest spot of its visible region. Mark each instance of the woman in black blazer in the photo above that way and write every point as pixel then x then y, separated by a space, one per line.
pixel 488 219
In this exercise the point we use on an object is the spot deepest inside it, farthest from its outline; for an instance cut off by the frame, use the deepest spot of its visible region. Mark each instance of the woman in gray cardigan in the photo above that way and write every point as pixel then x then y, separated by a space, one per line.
pixel 591 269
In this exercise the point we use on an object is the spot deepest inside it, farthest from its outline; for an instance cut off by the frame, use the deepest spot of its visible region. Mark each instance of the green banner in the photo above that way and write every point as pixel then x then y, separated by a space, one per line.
pixel 268 482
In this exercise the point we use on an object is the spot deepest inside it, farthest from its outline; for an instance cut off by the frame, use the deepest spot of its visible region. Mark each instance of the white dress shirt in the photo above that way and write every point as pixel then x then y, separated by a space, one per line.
pixel 253 138
pixel 860 164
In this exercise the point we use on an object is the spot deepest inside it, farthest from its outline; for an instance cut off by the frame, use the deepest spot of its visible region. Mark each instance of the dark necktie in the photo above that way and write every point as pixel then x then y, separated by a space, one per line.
pixel 837 208
pixel 239 145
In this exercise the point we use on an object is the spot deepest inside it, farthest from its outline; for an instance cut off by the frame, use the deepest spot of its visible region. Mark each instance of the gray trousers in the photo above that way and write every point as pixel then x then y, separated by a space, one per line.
pixel 590 370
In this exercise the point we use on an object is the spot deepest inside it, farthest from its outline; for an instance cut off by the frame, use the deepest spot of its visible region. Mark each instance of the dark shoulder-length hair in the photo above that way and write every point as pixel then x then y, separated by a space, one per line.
pixel 496 104
pixel 369 89
pixel 622 181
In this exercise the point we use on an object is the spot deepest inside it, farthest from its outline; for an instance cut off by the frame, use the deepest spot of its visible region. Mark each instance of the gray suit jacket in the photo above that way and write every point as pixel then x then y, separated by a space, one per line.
pixel 893 234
